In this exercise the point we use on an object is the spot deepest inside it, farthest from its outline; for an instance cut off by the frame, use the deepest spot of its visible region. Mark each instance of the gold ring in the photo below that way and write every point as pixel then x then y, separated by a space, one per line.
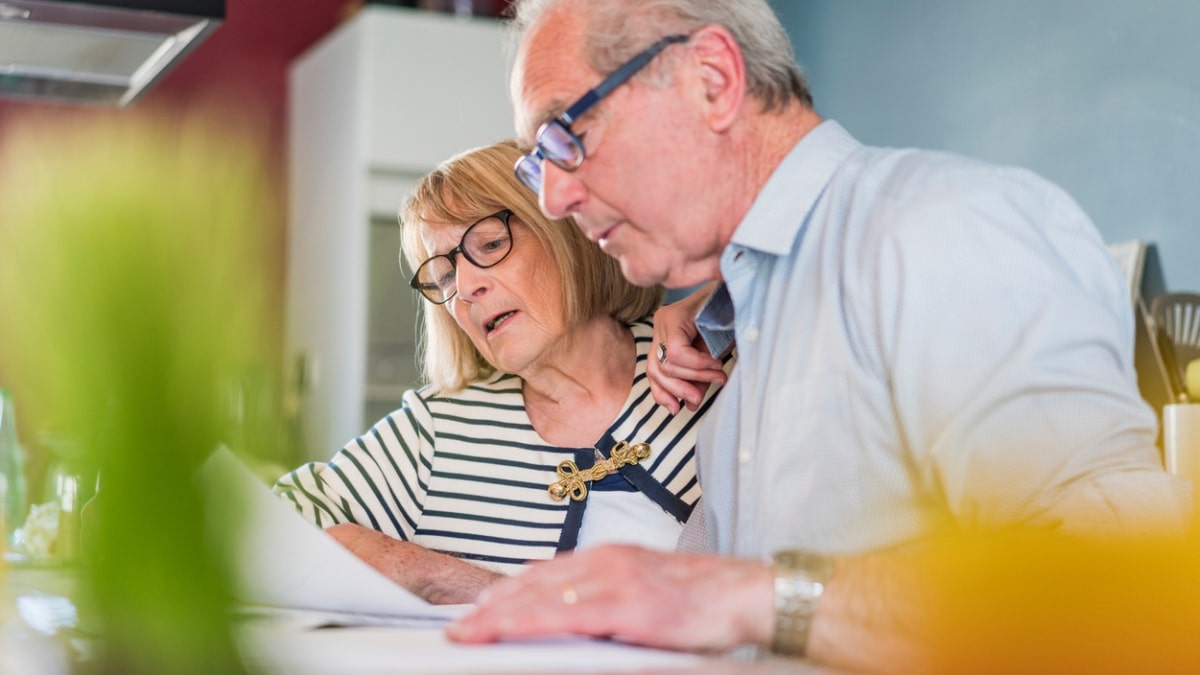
pixel 569 596
pixel 662 353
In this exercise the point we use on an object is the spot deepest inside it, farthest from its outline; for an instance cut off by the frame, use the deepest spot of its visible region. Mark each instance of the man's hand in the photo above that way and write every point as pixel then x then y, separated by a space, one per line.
pixel 683 370
pixel 666 600
pixel 436 577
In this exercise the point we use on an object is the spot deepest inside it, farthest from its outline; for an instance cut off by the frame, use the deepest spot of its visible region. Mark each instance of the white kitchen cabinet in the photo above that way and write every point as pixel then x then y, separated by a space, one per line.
pixel 376 104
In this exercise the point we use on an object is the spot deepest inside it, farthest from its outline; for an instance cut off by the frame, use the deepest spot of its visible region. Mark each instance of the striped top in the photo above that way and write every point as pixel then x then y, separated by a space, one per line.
pixel 467 475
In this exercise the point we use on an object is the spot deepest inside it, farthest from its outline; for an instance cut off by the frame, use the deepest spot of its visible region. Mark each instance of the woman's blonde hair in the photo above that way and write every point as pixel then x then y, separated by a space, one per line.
pixel 476 184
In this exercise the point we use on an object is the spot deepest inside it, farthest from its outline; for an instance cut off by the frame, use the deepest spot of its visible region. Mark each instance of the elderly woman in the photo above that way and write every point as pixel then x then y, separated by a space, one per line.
pixel 537 432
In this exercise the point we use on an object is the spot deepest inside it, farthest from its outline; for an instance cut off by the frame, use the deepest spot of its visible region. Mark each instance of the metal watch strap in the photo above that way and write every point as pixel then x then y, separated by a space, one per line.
pixel 799 582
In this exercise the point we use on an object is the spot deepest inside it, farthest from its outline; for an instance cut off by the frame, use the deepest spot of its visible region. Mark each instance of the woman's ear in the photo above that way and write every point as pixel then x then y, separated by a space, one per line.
pixel 723 75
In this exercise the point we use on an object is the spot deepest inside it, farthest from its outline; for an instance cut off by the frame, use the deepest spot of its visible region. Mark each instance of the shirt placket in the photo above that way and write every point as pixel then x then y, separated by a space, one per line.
pixel 742 277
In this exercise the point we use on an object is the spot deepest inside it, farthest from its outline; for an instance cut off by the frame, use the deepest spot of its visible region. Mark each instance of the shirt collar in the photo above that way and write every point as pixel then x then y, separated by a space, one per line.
pixel 775 218
pixel 781 207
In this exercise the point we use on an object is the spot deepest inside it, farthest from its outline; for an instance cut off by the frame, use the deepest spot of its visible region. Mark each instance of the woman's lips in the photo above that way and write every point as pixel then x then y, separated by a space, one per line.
pixel 496 322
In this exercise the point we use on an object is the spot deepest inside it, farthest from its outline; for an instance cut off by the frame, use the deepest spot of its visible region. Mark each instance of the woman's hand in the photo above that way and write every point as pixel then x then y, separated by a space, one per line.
pixel 680 368
pixel 436 577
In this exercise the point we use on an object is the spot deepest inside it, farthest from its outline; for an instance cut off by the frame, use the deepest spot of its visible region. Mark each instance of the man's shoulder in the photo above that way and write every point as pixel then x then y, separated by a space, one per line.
pixel 941 210
pixel 912 173
pixel 891 191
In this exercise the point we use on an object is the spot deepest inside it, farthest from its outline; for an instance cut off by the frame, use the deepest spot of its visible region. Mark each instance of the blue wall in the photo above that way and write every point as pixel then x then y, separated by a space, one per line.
pixel 1100 96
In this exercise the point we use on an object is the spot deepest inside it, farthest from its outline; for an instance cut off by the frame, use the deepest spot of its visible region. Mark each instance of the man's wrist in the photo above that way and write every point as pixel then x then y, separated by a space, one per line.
pixel 800 578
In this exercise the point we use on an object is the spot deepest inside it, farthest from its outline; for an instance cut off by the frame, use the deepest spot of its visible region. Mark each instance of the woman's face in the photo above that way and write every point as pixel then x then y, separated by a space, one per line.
pixel 513 310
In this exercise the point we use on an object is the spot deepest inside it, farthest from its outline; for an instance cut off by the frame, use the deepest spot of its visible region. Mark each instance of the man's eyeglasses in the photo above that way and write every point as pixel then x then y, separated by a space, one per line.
pixel 555 140
pixel 484 244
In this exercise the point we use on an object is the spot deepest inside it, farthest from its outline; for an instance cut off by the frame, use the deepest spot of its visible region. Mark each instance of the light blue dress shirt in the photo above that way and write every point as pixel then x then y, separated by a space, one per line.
pixel 922 338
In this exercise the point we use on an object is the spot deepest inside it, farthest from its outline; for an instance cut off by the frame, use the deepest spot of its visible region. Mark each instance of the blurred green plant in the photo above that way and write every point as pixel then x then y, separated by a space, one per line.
pixel 132 294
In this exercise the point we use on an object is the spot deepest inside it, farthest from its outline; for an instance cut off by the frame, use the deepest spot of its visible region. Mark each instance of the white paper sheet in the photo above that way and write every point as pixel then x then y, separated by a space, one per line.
pixel 280 648
pixel 283 560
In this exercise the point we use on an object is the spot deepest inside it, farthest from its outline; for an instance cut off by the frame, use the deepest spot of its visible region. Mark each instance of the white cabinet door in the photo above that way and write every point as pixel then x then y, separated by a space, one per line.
pixel 382 100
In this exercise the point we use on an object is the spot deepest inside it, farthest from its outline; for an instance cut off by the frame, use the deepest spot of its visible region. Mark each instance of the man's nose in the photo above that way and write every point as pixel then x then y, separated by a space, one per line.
pixel 562 194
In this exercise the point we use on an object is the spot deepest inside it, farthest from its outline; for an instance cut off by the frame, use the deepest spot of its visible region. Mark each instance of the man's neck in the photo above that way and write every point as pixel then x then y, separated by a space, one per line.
pixel 759 147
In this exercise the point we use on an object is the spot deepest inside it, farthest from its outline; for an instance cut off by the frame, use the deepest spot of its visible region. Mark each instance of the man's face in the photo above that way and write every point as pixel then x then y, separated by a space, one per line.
pixel 640 191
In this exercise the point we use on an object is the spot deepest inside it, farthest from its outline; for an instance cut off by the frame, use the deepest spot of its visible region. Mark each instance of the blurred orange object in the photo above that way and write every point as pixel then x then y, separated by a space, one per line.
pixel 1039 602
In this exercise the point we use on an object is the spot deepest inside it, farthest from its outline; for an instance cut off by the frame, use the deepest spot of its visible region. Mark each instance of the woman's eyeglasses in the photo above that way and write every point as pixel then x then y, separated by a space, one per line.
pixel 485 243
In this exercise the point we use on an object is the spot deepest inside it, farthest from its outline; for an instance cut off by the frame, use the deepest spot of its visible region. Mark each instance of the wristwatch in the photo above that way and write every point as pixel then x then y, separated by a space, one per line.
pixel 800 578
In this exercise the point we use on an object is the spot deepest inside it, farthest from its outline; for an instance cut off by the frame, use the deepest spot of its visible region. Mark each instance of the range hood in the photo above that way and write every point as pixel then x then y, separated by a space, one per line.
pixel 103 52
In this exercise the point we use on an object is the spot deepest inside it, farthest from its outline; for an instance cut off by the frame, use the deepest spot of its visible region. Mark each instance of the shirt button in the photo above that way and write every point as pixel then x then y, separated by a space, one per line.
pixel 751 334
pixel 744 456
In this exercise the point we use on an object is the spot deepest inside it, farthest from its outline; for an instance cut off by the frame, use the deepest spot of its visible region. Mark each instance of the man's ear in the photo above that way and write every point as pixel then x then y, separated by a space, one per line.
pixel 723 74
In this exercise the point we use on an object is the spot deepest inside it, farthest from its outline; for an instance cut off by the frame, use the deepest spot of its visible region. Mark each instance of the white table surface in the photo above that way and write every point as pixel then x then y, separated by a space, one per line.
pixel 295 646
pixel 37 612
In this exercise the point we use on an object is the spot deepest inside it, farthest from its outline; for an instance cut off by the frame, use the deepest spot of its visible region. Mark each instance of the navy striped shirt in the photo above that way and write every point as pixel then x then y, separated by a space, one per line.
pixel 466 474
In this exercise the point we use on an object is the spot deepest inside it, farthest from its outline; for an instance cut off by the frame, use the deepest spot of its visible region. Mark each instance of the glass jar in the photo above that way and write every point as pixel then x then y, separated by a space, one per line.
pixel 69 484
pixel 12 471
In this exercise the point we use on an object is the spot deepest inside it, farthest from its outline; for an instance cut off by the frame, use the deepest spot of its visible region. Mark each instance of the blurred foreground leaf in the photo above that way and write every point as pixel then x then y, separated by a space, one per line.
pixel 131 296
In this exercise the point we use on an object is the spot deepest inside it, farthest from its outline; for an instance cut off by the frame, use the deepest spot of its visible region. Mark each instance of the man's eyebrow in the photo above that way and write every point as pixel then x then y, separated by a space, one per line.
pixel 549 111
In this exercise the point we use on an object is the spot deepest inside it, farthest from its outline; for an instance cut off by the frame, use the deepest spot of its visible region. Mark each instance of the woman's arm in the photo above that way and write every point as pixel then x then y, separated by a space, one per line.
pixel 436 577
pixel 688 369
pixel 377 480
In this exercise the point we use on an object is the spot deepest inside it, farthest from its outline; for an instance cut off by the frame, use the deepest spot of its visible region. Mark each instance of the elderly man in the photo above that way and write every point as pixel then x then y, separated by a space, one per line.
pixel 924 341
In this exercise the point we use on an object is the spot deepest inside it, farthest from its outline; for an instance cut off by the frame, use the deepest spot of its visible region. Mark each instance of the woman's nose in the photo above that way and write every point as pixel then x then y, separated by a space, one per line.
pixel 562 192
pixel 470 280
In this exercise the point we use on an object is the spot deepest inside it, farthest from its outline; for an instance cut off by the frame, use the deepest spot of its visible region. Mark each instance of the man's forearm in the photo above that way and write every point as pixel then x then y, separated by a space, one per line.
pixel 872 615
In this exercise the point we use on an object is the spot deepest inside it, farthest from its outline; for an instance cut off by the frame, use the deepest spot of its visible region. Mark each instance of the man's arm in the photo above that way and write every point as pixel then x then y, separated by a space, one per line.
pixel 668 600
pixel 1004 330
pixel 869 616
pixel 436 577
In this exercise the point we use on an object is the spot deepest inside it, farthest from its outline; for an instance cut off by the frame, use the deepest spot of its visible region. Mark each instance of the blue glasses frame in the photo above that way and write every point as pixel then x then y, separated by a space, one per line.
pixel 555 139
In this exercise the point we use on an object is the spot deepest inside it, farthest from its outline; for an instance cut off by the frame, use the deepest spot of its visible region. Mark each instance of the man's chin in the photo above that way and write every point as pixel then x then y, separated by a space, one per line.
pixel 638 275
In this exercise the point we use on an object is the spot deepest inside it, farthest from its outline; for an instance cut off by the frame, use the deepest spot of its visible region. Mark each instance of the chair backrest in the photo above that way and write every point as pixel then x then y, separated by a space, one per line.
pixel 1177 315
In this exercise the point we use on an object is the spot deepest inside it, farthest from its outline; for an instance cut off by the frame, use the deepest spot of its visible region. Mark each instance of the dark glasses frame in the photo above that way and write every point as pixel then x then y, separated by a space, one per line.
pixel 432 292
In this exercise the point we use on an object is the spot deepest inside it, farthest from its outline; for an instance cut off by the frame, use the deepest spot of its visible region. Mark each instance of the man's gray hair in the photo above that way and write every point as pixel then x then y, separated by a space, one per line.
pixel 618 29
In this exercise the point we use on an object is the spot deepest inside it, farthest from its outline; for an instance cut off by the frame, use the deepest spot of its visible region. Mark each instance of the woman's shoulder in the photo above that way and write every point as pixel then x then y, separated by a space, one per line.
pixel 501 391
pixel 428 411
pixel 642 327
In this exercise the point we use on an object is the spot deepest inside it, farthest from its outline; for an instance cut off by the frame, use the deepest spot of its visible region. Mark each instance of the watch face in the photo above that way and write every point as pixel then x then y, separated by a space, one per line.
pixel 797 595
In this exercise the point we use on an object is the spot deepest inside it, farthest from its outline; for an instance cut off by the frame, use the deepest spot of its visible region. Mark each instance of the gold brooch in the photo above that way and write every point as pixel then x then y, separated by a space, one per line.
pixel 574 482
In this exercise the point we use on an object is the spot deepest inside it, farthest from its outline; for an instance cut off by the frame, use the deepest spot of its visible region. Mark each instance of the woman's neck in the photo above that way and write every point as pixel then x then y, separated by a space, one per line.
pixel 574 394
